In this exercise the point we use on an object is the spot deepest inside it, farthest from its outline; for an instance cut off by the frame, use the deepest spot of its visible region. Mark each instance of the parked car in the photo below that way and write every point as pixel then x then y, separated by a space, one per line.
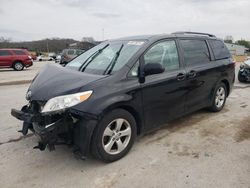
pixel 122 88
pixel 52 55
pixel 69 54
pixel 15 58
pixel 244 72
pixel 58 58
pixel 44 58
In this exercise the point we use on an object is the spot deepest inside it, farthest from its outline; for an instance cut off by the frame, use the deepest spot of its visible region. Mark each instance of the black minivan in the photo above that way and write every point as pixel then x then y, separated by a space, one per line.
pixel 122 88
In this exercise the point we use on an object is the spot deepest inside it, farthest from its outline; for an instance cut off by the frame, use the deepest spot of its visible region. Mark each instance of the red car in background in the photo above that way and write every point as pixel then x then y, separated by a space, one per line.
pixel 15 58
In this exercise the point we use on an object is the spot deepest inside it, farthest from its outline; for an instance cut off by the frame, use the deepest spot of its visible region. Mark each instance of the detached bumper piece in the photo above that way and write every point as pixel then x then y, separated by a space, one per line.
pixel 27 118
pixel 71 127
pixel 52 130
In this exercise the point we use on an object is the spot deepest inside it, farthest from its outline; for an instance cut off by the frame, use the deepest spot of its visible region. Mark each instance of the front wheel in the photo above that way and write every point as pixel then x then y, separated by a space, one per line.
pixel 219 98
pixel 114 136
pixel 18 66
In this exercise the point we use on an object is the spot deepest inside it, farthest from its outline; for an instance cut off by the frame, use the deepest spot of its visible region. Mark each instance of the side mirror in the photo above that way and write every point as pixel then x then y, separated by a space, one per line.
pixel 153 68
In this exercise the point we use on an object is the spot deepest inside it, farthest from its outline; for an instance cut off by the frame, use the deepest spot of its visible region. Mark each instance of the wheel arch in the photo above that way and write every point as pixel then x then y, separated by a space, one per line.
pixel 131 110
pixel 15 61
pixel 226 82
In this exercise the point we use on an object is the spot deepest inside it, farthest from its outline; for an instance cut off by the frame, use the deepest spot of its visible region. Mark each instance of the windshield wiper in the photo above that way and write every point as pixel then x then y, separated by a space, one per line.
pixel 113 61
pixel 92 57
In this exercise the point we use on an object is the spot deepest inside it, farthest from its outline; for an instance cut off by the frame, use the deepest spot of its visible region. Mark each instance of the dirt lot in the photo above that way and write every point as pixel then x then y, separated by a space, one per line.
pixel 200 150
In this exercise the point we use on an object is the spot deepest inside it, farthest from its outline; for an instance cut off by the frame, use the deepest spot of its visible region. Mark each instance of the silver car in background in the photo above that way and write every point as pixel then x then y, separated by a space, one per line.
pixel 69 54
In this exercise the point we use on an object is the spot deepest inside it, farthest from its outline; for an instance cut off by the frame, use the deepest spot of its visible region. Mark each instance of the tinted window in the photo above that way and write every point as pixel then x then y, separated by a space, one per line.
pixel 71 52
pixel 4 53
pixel 19 52
pixel 195 51
pixel 164 53
pixel 219 49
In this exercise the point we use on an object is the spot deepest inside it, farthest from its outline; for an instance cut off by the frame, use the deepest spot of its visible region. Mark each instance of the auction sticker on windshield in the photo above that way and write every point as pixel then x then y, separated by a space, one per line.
pixel 138 43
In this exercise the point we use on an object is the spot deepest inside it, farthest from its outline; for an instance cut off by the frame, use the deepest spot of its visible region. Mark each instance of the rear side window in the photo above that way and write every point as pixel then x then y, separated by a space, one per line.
pixel 219 49
pixel 4 53
pixel 19 52
pixel 195 51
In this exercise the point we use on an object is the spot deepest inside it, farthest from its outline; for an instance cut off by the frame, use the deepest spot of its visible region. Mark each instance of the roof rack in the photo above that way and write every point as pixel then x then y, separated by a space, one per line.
pixel 194 33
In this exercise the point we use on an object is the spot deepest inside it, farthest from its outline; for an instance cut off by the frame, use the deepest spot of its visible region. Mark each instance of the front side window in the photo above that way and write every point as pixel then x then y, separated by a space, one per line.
pixel 195 51
pixel 4 53
pixel 164 53
pixel 134 71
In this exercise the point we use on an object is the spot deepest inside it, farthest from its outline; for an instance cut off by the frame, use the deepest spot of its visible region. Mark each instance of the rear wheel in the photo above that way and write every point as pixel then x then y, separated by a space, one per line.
pixel 114 136
pixel 18 66
pixel 219 98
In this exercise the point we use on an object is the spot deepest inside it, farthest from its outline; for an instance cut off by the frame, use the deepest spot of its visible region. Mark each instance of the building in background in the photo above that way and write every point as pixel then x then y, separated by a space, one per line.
pixel 236 49
pixel 85 44
pixel 229 39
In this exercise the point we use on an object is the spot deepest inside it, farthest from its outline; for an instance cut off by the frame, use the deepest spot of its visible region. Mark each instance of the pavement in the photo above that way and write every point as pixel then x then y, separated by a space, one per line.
pixel 9 76
pixel 202 149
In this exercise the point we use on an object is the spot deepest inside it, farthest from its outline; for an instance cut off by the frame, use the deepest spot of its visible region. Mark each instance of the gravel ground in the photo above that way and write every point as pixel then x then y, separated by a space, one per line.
pixel 199 150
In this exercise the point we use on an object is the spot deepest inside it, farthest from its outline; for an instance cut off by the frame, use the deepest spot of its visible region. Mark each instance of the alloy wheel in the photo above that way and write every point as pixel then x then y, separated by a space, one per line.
pixel 18 66
pixel 116 136
pixel 220 97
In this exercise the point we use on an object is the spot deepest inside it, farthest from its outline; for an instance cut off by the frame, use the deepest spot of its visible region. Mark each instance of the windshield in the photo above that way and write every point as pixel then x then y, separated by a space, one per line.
pixel 106 57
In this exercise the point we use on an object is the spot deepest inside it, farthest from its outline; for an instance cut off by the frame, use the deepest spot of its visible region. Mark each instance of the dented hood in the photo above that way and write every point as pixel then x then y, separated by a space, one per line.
pixel 54 80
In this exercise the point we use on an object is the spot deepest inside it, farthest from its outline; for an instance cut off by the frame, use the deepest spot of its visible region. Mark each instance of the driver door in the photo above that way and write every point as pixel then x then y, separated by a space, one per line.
pixel 163 94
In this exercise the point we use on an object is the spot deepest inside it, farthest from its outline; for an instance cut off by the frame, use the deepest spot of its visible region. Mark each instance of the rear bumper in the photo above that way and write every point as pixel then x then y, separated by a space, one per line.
pixel 57 129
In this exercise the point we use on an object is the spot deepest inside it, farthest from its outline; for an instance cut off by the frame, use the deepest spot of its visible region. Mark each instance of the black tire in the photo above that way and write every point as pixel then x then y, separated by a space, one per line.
pixel 97 144
pixel 215 107
pixel 18 66
pixel 241 78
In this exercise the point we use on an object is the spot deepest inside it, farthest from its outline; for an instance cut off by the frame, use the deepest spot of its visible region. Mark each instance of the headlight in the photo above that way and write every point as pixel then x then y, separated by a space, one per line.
pixel 66 101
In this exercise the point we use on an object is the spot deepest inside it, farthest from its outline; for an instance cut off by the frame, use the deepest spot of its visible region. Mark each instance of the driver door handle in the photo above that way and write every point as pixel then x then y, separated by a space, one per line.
pixel 192 74
pixel 180 76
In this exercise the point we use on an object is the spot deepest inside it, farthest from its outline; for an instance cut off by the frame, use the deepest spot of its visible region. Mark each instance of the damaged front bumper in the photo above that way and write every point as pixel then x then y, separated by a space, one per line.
pixel 68 127
pixel 245 73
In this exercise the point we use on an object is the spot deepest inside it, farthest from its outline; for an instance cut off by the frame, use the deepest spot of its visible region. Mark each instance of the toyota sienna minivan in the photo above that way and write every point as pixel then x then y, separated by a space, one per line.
pixel 123 88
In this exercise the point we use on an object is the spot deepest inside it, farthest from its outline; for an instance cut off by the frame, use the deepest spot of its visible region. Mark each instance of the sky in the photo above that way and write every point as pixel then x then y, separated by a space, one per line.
pixel 27 20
